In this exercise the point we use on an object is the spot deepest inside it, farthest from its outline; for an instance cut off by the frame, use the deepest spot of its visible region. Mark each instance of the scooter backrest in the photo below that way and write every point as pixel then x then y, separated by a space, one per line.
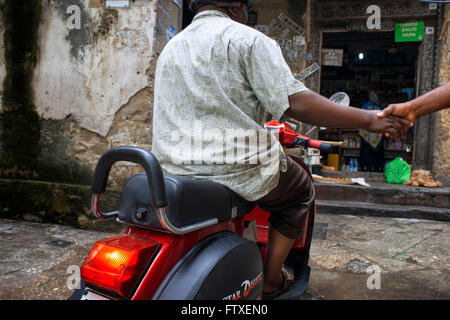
pixel 155 176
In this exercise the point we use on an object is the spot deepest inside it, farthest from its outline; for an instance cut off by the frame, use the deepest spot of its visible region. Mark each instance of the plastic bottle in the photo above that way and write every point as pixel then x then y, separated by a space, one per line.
pixel 352 165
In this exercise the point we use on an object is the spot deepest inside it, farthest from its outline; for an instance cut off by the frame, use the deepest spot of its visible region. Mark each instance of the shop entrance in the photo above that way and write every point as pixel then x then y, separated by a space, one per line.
pixel 374 71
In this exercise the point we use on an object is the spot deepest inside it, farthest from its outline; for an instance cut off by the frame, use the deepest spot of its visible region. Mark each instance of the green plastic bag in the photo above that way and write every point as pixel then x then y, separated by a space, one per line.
pixel 397 171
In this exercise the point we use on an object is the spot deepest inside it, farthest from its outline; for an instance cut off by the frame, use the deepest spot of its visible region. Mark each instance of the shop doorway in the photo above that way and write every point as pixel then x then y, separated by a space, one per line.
pixel 374 71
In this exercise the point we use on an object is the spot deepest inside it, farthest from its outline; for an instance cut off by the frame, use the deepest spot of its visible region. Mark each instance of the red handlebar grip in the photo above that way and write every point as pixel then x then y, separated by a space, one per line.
pixel 322 146
pixel 314 144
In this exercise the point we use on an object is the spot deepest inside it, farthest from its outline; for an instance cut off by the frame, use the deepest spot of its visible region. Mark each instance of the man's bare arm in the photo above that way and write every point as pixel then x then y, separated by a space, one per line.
pixel 312 108
pixel 430 102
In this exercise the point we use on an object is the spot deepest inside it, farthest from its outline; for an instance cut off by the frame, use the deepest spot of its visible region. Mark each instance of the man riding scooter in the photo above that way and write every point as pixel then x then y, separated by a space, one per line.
pixel 226 76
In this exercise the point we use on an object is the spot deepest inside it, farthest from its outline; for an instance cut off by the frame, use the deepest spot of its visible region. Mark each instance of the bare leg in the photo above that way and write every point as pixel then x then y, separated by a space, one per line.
pixel 278 247
pixel 288 205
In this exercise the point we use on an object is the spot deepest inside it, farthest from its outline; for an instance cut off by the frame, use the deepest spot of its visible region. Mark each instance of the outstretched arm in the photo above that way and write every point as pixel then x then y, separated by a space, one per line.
pixel 430 102
pixel 312 108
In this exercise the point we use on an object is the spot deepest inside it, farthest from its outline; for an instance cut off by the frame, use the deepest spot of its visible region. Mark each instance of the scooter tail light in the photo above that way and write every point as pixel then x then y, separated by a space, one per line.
pixel 116 264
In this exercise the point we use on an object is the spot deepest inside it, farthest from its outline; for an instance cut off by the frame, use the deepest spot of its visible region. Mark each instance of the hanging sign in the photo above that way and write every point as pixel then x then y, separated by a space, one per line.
pixel 117 4
pixel 409 32
pixel 291 24
pixel 278 28
pixel 299 42
pixel 332 57
pixel 307 72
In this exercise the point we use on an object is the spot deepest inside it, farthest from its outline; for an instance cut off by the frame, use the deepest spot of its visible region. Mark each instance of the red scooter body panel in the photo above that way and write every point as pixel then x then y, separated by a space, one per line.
pixel 173 248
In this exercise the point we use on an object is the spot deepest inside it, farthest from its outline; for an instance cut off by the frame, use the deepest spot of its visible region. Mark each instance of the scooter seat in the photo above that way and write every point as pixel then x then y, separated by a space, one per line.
pixel 190 201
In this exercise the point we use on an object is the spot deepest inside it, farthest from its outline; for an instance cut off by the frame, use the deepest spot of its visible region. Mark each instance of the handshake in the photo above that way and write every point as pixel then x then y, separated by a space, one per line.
pixel 393 122
pixel 392 126
pixel 401 116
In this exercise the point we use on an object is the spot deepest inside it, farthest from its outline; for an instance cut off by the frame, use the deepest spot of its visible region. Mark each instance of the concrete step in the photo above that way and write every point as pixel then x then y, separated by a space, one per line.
pixel 383 210
pixel 383 193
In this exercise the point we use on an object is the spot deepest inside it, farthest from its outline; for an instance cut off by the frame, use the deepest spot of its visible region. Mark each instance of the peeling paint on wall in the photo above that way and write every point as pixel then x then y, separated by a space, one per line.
pixel 2 60
pixel 108 19
pixel 131 126
pixel 94 80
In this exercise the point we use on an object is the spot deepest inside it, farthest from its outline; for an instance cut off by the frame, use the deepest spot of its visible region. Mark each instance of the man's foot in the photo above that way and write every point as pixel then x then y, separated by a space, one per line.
pixel 287 279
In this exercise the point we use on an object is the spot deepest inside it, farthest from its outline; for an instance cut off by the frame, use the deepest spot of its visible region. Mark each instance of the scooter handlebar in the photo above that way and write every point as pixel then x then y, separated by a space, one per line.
pixel 322 146
pixel 306 142
pixel 136 155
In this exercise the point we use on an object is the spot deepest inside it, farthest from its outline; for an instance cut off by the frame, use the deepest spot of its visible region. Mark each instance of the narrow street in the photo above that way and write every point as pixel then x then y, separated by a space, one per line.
pixel 168 110
pixel 413 257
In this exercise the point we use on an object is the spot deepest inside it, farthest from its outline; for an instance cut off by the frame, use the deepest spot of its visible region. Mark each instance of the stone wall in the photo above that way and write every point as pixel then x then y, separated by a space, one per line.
pixel 91 86
pixel 2 59
pixel 82 84
pixel 441 163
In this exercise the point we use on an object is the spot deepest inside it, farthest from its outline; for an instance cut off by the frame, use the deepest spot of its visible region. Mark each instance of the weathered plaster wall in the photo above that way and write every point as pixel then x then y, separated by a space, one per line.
pixel 2 60
pixel 441 163
pixel 93 86
pixel 91 75
pixel 81 92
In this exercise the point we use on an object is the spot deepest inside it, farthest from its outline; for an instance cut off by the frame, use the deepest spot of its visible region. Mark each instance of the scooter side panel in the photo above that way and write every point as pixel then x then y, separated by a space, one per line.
pixel 172 250
pixel 222 266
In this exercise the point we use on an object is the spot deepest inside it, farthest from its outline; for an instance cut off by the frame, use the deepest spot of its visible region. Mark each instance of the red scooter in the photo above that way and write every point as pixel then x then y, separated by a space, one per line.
pixel 185 239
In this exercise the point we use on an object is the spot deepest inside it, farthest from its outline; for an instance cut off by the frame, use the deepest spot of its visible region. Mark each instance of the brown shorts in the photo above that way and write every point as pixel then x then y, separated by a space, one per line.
pixel 290 201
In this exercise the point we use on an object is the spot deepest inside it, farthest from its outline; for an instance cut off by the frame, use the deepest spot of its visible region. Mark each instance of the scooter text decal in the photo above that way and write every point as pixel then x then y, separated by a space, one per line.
pixel 246 287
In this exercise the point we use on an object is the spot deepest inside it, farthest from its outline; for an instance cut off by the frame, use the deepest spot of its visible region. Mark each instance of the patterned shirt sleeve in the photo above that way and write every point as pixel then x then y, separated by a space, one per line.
pixel 270 76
